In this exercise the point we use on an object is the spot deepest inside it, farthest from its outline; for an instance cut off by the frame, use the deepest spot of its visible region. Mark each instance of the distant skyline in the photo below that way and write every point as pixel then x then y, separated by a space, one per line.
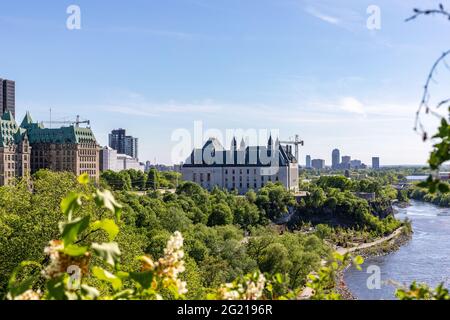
pixel 311 68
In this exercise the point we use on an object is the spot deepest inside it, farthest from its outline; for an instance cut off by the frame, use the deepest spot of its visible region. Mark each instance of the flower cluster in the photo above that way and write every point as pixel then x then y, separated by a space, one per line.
pixel 60 262
pixel 170 266
pixel 250 288
pixel 29 295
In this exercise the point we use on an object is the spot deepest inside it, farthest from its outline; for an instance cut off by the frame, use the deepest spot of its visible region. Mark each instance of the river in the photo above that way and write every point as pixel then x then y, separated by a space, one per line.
pixel 426 258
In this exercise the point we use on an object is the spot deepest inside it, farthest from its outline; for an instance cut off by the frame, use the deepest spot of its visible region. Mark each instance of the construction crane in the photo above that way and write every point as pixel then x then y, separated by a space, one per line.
pixel 77 122
pixel 297 142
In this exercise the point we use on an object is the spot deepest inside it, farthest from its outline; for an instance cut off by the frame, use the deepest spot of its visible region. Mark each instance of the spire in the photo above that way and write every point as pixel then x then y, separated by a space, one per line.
pixel 270 142
pixel 242 146
pixel 27 120
pixel 234 143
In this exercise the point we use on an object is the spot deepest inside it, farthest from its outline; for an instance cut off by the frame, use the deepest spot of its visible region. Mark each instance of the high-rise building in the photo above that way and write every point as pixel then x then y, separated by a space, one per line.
pixel 375 163
pixel 7 97
pixel 118 140
pixel 318 164
pixel 308 161
pixel 336 157
pixel 345 164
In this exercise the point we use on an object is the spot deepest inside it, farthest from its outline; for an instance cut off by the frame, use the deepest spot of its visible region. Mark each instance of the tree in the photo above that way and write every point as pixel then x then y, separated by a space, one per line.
pixel 220 215
pixel 153 179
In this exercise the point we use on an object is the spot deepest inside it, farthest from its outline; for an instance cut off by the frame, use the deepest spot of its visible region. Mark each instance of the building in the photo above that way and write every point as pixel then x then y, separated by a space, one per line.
pixel 335 159
pixel 355 164
pixel 318 164
pixel 14 150
pixel 111 160
pixel 7 97
pixel 118 140
pixel 72 149
pixel 243 169
pixel 376 163
pixel 345 164
pixel 308 162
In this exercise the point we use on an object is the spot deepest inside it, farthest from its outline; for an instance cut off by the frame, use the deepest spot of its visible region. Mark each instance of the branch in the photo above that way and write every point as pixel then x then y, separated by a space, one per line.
pixel 426 94
pixel 419 12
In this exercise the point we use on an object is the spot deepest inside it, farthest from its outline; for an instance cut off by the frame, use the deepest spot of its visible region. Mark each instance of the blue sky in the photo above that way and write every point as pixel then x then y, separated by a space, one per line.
pixel 303 67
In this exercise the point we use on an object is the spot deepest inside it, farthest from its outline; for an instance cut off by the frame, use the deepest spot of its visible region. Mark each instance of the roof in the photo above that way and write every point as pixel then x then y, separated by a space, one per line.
pixel 10 132
pixel 212 154
pixel 37 133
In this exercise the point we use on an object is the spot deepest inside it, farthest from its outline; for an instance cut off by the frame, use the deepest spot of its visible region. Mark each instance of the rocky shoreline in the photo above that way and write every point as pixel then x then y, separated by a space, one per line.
pixel 382 249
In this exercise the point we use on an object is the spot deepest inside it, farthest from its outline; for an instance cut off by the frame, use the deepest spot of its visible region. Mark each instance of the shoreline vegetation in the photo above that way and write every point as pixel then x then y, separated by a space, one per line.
pixel 228 239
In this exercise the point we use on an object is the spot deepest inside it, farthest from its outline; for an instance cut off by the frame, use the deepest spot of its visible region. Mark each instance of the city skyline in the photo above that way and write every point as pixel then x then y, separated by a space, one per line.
pixel 216 61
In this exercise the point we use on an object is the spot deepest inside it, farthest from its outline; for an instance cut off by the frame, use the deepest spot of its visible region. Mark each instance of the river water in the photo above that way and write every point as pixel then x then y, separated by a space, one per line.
pixel 426 258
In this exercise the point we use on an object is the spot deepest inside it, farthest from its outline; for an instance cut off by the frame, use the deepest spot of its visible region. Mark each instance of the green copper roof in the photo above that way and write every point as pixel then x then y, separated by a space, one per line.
pixel 72 134
pixel 10 132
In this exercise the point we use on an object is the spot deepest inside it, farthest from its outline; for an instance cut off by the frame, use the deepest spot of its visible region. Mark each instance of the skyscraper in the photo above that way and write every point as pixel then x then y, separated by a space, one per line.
pixel 318 164
pixel 7 97
pixel 375 163
pixel 346 162
pixel 336 157
pixel 118 140
pixel 308 162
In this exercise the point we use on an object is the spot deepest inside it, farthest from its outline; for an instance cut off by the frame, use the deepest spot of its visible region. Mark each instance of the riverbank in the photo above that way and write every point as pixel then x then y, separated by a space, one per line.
pixel 380 247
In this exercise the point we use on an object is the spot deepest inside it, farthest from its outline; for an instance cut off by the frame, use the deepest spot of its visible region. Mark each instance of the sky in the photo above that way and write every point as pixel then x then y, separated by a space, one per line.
pixel 311 68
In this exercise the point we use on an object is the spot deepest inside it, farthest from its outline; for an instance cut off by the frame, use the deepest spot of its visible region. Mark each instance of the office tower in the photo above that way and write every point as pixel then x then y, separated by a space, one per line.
pixel 118 140
pixel 336 157
pixel 7 97
pixel 375 163
pixel 318 164
pixel 308 162
pixel 345 164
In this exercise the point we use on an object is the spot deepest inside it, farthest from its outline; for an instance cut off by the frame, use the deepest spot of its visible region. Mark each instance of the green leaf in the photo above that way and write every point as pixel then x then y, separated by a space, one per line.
pixel 106 200
pixel 109 252
pixel 143 278
pixel 56 289
pixel 89 292
pixel 75 251
pixel 83 179
pixel 109 226
pixel 70 204
pixel 16 288
pixel 358 260
pixel 104 275
pixel 71 230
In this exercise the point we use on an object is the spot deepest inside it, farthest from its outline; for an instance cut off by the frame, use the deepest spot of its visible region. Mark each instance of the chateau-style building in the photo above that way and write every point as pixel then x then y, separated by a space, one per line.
pixel 73 148
pixel 242 169
pixel 14 150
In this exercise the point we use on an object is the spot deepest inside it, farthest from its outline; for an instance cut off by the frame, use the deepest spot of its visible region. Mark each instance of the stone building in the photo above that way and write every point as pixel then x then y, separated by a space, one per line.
pixel 242 169
pixel 72 149
pixel 14 150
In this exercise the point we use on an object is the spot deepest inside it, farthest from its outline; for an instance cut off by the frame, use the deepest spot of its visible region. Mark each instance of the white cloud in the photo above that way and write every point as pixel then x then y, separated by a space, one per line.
pixel 324 17
pixel 352 105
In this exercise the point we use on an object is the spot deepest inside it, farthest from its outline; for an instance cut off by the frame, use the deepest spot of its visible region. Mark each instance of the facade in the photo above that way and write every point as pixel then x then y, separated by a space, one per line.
pixel 243 169
pixel 376 163
pixel 111 160
pixel 336 158
pixel 118 140
pixel 318 164
pixel 7 97
pixel 345 164
pixel 72 149
pixel 308 162
pixel 14 150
